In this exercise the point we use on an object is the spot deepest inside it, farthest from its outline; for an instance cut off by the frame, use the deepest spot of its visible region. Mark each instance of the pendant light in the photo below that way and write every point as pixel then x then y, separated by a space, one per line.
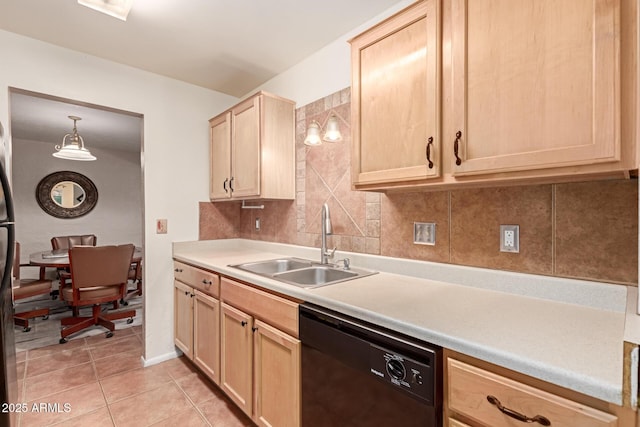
pixel 72 147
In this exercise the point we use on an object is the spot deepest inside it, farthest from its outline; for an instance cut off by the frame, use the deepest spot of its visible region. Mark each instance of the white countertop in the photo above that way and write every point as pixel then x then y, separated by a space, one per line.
pixel 570 333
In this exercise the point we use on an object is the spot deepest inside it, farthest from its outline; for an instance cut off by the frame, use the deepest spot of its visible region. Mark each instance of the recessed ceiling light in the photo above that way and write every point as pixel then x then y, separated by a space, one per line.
pixel 116 8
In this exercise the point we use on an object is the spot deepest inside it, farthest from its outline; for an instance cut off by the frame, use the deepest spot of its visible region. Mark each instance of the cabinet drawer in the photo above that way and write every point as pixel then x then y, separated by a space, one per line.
pixel 204 281
pixel 469 387
pixel 272 309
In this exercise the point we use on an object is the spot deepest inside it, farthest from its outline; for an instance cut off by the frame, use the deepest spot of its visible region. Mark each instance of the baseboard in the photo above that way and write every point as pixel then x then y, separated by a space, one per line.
pixel 159 359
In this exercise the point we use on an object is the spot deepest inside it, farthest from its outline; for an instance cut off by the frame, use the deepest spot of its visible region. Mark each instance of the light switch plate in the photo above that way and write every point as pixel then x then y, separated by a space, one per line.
pixel 161 226
pixel 510 238
pixel 424 233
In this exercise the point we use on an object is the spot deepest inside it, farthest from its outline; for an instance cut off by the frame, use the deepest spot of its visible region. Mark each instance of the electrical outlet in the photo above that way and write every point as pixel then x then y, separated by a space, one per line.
pixel 424 233
pixel 510 238
pixel 257 223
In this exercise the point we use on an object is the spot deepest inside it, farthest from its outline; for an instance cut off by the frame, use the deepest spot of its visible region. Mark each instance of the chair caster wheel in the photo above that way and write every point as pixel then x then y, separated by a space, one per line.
pixel 125 303
pixel 62 340
pixel 26 329
pixel 45 317
pixel 129 321
pixel 55 297
pixel 109 334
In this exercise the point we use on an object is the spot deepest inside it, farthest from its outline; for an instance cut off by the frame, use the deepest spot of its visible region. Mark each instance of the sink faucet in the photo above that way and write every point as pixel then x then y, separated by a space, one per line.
pixel 327 230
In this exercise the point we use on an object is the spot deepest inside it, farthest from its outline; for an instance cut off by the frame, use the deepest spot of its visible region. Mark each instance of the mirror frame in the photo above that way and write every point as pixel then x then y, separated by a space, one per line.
pixel 46 184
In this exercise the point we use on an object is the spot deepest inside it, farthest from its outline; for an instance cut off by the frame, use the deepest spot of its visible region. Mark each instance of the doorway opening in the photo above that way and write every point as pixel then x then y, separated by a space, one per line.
pixel 38 122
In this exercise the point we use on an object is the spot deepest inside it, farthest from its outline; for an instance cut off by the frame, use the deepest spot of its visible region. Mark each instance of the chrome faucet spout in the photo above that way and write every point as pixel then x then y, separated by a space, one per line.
pixel 325 255
pixel 328 229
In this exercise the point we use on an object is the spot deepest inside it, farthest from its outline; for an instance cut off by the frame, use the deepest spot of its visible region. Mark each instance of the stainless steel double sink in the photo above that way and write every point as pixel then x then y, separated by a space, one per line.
pixel 302 272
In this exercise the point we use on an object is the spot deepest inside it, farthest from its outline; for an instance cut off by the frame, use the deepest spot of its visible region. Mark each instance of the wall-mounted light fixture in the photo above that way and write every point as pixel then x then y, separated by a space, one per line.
pixel 116 8
pixel 331 133
pixel 72 147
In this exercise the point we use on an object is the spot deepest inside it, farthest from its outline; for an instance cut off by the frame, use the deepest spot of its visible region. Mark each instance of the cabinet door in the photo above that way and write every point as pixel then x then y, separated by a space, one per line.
pixel 536 84
pixel 220 152
pixel 245 156
pixel 236 356
pixel 206 335
pixel 277 377
pixel 395 97
pixel 183 320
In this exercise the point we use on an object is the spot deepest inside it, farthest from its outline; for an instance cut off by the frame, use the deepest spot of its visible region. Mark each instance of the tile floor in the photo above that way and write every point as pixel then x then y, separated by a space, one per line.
pixel 102 383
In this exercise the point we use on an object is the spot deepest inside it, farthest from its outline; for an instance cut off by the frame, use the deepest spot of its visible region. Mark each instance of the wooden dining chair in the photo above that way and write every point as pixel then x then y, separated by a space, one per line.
pixel 66 242
pixel 135 276
pixel 25 288
pixel 99 274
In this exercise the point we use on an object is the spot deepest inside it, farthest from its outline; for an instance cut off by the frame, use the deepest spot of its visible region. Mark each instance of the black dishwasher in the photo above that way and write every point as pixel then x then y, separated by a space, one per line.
pixel 356 374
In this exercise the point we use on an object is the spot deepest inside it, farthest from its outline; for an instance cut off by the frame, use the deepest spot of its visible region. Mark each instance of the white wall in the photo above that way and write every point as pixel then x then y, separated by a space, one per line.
pixel 175 115
pixel 116 218
pixel 326 71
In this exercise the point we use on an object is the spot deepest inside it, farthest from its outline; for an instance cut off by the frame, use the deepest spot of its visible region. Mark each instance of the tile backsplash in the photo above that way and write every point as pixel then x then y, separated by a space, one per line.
pixel 579 230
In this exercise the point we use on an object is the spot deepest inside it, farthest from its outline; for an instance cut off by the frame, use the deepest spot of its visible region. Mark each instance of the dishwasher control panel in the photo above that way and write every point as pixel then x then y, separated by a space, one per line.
pixel 412 376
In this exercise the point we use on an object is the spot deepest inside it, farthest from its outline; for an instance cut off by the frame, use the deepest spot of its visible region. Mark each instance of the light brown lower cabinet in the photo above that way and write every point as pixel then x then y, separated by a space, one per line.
pixel 206 335
pixel 481 398
pixel 276 376
pixel 260 363
pixel 197 317
pixel 236 340
pixel 183 318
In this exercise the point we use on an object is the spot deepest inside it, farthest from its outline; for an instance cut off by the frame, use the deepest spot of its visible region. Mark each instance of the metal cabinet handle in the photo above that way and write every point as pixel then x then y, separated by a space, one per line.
pixel 429 144
pixel 178 270
pixel 231 184
pixel 455 147
pixel 224 185
pixel 207 282
pixel 243 323
pixel 517 415
pixel 255 328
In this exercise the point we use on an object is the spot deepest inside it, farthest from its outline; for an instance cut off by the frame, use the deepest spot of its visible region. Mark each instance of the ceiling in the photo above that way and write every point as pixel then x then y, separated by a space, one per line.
pixel 45 119
pixel 231 46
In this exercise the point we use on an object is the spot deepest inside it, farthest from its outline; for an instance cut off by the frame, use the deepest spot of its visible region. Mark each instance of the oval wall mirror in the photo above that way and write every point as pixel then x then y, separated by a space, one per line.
pixel 66 194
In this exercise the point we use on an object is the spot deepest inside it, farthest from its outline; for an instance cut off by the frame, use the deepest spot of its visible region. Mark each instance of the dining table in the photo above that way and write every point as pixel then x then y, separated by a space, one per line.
pixel 59 258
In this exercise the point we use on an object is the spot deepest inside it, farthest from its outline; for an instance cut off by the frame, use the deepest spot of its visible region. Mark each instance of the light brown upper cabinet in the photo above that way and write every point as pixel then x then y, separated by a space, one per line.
pixel 527 91
pixel 252 148
pixel 395 98
pixel 535 84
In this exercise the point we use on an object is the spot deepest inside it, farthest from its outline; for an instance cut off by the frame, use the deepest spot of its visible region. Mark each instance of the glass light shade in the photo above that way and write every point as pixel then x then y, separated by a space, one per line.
pixel 116 8
pixel 73 152
pixel 313 134
pixel 332 130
